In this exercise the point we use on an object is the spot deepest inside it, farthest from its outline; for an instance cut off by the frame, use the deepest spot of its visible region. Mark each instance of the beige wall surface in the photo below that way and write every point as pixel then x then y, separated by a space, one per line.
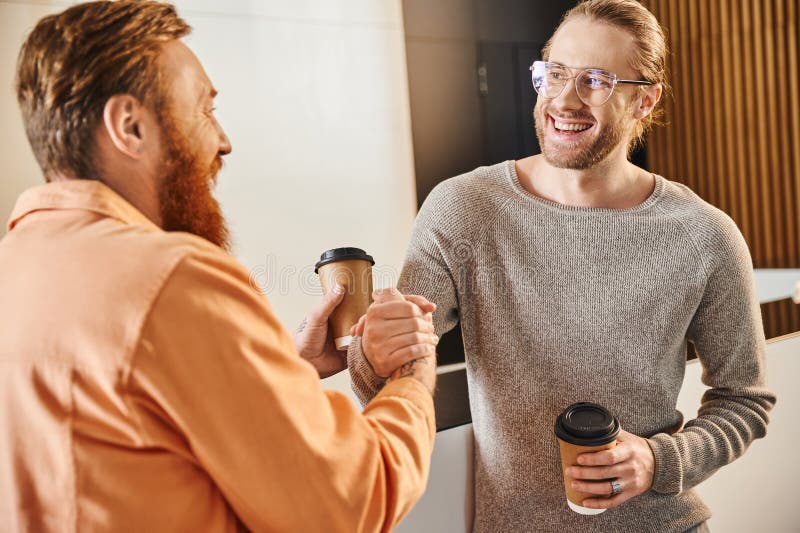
pixel 314 97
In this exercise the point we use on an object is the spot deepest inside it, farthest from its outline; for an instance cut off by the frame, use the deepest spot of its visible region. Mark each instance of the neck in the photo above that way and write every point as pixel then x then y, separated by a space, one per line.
pixel 141 194
pixel 614 183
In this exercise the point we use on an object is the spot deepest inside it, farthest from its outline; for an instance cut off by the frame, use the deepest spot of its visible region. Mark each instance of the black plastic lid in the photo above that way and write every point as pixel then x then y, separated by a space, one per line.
pixel 342 254
pixel 587 424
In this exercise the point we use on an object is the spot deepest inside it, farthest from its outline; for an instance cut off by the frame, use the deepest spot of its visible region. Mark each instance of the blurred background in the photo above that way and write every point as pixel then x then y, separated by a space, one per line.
pixel 344 114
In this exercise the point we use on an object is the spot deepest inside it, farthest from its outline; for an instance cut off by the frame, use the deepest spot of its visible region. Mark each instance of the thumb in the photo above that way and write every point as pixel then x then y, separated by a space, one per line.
pixel 390 294
pixel 320 313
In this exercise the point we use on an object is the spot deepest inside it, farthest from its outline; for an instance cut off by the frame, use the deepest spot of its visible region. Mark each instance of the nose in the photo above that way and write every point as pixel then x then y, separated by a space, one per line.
pixel 568 99
pixel 224 143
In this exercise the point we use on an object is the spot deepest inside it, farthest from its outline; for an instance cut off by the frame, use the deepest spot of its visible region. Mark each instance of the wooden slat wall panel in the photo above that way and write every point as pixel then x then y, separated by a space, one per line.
pixel 792 189
pixel 733 126
pixel 780 317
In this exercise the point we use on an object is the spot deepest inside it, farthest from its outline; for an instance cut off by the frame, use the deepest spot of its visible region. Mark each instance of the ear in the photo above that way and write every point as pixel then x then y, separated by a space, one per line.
pixel 648 100
pixel 124 122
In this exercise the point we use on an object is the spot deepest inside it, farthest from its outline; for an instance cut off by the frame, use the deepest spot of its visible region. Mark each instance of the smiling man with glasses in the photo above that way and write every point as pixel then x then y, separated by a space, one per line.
pixel 578 276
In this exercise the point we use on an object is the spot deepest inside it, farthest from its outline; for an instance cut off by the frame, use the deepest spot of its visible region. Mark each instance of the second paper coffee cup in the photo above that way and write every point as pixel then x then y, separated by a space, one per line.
pixel 352 269
pixel 583 427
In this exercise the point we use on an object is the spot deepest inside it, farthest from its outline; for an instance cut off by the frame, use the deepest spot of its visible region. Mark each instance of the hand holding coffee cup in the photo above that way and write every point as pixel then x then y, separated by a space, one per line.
pixel 351 269
pixel 583 427
pixel 615 466
pixel 314 340
pixel 630 464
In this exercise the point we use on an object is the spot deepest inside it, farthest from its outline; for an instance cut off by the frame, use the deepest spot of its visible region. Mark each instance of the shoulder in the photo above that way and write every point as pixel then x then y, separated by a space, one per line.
pixel 208 289
pixel 162 250
pixel 195 261
pixel 479 186
pixel 714 232
pixel 137 256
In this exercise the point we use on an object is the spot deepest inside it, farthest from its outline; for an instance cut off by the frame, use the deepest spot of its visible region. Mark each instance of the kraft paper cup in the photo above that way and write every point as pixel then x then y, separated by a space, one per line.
pixel 583 427
pixel 352 269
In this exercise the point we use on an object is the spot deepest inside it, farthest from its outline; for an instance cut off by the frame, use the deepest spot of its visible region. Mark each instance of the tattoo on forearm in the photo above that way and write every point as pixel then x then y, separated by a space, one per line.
pixel 302 326
pixel 407 370
pixel 413 369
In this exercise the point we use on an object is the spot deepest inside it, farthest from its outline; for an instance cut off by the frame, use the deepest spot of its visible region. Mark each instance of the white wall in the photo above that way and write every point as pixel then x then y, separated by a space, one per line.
pixel 314 97
pixel 758 492
pixel 776 283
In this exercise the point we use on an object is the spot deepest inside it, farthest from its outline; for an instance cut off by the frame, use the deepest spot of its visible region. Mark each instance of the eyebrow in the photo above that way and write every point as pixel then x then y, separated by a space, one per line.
pixel 581 68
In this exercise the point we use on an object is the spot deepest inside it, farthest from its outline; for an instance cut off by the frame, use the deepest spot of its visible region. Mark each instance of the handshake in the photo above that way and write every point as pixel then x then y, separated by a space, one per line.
pixel 397 337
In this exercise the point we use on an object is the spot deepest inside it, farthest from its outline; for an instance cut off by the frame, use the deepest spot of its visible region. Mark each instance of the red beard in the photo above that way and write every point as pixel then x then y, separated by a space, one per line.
pixel 185 197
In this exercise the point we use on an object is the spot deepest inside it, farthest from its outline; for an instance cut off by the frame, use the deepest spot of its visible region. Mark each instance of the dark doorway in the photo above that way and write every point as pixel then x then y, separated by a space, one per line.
pixel 507 99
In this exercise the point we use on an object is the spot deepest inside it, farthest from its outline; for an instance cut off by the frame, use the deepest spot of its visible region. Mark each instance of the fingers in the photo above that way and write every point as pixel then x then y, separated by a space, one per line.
pixel 387 306
pixel 598 472
pixel 619 453
pixel 421 302
pixel 416 351
pixel 389 294
pixel 396 329
pixel 601 488
pixel 386 365
pixel 630 463
pixel 393 296
pixel 394 309
pixel 389 344
pixel 357 330
pixel 319 314
pixel 387 329
pixel 411 339
pixel 607 503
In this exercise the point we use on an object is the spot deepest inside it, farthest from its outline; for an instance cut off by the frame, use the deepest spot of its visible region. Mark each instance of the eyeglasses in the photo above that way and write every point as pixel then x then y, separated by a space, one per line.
pixel 593 85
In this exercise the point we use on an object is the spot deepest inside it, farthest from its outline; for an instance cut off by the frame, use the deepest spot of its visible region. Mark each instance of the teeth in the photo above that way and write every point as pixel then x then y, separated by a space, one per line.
pixel 571 127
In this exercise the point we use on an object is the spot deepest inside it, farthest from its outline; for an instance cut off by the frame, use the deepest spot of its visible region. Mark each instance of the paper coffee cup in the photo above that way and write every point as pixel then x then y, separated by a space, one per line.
pixel 583 427
pixel 352 269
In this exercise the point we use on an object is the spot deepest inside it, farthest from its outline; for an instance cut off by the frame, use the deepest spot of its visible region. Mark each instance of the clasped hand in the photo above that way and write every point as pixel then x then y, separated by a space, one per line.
pixel 396 329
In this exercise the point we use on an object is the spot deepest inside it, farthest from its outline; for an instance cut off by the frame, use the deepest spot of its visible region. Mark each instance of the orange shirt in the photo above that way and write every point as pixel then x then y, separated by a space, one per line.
pixel 146 386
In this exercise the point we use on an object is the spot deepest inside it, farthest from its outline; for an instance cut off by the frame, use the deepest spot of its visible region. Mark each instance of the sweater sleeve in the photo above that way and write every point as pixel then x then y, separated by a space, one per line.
pixel 433 254
pixel 728 334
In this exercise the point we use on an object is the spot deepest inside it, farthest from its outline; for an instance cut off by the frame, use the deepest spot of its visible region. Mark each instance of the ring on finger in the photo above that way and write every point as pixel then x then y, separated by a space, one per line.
pixel 616 487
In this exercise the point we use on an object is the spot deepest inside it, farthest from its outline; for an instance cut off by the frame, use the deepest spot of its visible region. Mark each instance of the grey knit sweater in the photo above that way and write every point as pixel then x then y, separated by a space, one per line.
pixel 560 304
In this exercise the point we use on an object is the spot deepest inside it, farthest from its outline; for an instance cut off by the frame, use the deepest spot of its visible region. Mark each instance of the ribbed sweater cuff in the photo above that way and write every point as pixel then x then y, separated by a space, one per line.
pixel 364 381
pixel 668 476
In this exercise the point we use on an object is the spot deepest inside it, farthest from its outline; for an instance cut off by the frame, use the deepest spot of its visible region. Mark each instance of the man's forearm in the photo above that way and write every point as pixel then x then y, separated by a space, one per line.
pixel 423 370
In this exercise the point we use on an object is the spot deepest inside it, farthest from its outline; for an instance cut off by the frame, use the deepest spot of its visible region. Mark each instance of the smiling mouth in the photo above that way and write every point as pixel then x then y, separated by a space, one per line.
pixel 561 126
pixel 569 128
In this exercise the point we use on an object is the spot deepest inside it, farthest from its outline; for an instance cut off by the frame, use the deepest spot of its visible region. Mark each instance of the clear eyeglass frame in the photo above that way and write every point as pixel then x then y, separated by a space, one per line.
pixel 594 86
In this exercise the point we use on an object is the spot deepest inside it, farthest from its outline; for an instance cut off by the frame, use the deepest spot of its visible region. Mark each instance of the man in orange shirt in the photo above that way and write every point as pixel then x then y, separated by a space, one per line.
pixel 144 384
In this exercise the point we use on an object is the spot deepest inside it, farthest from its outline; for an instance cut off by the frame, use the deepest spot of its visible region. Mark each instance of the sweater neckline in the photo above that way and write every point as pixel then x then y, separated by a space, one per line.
pixel 511 173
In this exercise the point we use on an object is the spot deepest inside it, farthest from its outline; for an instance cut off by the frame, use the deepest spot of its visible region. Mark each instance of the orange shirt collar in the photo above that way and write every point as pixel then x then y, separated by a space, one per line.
pixel 89 195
